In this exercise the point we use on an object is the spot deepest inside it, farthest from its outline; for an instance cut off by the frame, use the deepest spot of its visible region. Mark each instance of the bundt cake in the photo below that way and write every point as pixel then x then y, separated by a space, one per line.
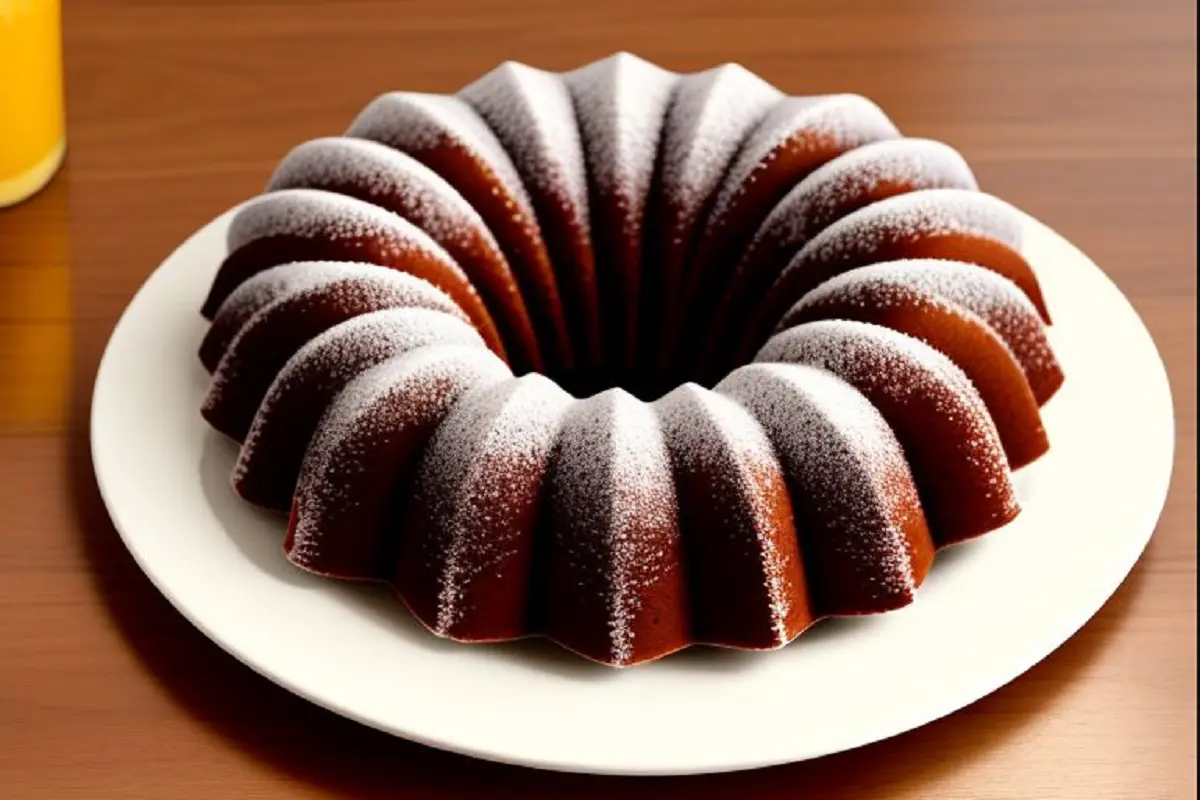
pixel 627 358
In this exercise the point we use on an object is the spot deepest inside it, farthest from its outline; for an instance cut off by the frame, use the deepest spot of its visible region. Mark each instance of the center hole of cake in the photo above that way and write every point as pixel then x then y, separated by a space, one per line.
pixel 647 383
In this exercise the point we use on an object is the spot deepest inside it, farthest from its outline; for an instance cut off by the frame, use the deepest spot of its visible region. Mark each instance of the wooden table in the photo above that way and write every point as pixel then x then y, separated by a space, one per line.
pixel 1081 112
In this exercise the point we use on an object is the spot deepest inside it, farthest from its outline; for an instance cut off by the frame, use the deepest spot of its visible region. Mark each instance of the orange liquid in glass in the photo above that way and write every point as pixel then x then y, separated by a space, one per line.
pixel 32 131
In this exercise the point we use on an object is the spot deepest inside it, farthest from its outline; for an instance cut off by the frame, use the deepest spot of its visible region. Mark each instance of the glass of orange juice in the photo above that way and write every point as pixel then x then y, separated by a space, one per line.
pixel 32 130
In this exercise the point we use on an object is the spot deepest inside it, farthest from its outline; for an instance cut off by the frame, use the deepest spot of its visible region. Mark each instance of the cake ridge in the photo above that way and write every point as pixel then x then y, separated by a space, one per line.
pixel 710 434
pixel 696 163
pixel 709 117
pixel 271 456
pixel 380 169
pixel 851 463
pixel 350 428
pixel 533 115
pixel 620 105
pixel 390 115
pixel 927 211
pixel 399 183
pixel 512 427
pixel 263 289
pixel 994 299
pixel 923 163
pixel 795 137
pixel 857 178
pixel 446 133
pixel 939 223
pixel 624 136
pixel 307 212
pixel 626 527
pixel 261 347
pixel 847 119
pixel 920 360
pixel 920 393
pixel 306 225
pixel 508 107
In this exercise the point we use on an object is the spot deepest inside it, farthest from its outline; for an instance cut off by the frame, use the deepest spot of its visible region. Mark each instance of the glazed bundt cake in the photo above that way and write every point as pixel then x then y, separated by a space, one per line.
pixel 626 358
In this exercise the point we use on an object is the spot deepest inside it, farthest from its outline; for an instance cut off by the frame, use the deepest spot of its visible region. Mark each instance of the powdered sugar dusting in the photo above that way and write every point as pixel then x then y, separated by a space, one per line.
pixel 531 112
pixel 932 212
pixel 260 290
pixel 832 190
pixel 415 122
pixel 348 285
pixel 473 480
pixel 379 403
pixel 614 498
pixel 408 187
pixel 317 214
pixel 841 346
pixel 838 451
pixel 621 103
pixel 996 300
pixel 709 116
pixel 846 120
pixel 710 433
pixel 329 361
pixel 899 365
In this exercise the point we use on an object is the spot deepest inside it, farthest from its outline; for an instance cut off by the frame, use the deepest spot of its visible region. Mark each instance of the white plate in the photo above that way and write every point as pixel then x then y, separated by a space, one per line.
pixel 989 611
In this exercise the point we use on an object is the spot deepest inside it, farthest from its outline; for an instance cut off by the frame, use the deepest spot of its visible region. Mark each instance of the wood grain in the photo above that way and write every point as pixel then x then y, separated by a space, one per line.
pixel 1081 112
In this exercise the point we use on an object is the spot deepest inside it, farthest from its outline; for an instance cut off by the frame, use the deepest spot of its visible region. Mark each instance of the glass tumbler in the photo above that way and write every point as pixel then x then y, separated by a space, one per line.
pixel 32 127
